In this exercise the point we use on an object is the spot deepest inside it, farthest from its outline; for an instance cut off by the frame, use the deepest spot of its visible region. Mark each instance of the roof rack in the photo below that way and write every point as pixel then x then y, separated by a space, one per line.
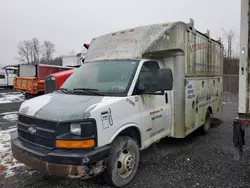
pixel 191 25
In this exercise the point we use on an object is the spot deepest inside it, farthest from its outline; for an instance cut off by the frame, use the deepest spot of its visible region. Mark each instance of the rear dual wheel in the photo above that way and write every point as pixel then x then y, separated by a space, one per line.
pixel 207 124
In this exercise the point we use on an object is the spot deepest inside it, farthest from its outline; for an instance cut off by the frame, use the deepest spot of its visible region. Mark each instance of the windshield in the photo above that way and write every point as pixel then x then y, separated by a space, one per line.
pixel 106 77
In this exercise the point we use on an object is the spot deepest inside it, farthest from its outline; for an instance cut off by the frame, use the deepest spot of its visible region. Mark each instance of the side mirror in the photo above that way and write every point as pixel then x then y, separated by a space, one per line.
pixel 165 79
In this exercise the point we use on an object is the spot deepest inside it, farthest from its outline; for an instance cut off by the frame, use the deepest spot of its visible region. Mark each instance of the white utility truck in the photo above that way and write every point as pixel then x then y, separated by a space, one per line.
pixel 7 76
pixel 136 87
pixel 243 118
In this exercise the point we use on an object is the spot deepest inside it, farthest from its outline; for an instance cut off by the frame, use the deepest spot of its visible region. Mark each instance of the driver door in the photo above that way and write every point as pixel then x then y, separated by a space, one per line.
pixel 155 108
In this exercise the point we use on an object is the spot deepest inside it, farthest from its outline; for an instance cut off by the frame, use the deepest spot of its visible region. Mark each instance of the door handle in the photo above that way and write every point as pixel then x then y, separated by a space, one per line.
pixel 166 98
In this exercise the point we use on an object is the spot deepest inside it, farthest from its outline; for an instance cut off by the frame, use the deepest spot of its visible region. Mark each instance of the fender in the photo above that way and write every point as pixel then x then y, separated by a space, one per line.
pixel 119 130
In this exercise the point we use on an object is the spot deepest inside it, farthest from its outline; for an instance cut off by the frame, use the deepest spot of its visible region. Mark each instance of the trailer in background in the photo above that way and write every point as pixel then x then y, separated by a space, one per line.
pixel 243 118
pixel 73 60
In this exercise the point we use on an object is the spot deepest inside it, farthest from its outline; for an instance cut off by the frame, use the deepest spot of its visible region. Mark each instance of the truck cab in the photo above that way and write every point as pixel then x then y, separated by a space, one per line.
pixel 3 78
pixel 135 87
pixel 7 76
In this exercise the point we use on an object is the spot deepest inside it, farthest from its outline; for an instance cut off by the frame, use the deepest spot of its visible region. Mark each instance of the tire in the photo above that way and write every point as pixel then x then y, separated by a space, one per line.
pixel 27 96
pixel 207 124
pixel 122 162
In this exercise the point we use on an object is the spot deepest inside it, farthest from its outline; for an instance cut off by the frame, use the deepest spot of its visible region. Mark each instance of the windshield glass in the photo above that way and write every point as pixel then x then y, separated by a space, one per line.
pixel 106 77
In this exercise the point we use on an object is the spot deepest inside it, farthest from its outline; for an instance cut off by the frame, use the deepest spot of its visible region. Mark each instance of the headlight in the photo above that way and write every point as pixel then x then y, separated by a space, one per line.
pixel 75 128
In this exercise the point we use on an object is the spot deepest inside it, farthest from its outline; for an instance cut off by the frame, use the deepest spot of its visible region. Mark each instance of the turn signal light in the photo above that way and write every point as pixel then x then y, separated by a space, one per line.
pixel 76 144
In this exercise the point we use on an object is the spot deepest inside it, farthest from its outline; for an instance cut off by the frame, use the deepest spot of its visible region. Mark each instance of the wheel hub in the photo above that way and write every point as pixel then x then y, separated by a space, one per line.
pixel 129 162
pixel 126 163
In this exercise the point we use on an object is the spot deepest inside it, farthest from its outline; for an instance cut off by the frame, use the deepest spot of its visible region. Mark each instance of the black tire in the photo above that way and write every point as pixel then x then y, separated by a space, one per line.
pixel 27 96
pixel 122 146
pixel 207 124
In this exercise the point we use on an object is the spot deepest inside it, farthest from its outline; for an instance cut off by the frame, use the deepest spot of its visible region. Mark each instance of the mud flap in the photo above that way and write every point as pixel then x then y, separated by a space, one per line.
pixel 238 139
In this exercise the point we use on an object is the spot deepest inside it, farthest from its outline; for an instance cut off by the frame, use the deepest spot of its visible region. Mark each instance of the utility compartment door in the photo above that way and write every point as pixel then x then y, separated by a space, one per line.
pixel 191 94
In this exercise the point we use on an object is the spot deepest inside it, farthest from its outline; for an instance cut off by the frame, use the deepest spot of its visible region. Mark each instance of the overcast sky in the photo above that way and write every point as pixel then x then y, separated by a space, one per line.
pixel 70 23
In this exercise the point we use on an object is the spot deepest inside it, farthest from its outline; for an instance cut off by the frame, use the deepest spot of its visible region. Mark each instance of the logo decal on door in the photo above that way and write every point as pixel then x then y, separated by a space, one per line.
pixel 156 111
pixel 157 117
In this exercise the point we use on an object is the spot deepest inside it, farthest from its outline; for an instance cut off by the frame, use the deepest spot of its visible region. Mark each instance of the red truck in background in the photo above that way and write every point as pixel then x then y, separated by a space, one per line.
pixel 30 79
pixel 35 80
pixel 54 81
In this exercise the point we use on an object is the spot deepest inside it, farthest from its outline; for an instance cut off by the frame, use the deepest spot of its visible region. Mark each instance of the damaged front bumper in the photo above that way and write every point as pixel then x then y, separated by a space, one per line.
pixel 64 163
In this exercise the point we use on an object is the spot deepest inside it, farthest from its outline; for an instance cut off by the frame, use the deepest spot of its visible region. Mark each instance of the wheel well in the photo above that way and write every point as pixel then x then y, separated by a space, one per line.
pixel 210 109
pixel 132 132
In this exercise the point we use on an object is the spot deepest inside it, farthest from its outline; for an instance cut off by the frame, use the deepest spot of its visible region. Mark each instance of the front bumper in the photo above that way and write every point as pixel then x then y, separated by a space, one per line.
pixel 60 162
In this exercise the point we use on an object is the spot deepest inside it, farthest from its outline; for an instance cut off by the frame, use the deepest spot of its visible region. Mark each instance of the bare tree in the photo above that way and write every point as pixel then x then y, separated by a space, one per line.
pixel 229 37
pixel 24 52
pixel 36 50
pixel 31 51
pixel 48 50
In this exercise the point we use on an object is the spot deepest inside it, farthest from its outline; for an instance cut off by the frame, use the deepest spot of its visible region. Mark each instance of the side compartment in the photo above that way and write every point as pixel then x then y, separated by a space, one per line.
pixel 201 93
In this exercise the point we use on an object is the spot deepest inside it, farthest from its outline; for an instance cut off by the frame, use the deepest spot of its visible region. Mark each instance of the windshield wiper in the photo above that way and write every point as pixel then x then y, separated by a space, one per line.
pixel 64 90
pixel 88 90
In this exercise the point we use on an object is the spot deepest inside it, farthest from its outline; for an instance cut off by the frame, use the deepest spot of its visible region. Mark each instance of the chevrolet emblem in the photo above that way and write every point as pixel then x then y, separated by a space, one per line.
pixel 32 130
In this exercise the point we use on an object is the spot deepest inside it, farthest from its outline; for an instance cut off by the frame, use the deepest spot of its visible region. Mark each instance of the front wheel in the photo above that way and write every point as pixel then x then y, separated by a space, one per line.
pixel 122 162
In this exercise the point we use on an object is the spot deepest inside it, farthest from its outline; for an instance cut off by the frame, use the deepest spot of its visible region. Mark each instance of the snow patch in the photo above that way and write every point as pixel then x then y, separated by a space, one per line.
pixel 10 117
pixel 7 113
pixel 7 163
pixel 11 97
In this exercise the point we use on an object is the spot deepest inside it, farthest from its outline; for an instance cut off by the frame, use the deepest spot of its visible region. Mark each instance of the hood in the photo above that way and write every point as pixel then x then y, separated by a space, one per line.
pixel 61 107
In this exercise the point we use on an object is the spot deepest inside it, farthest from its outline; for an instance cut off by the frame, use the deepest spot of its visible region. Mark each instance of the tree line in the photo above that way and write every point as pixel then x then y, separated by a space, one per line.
pixel 34 52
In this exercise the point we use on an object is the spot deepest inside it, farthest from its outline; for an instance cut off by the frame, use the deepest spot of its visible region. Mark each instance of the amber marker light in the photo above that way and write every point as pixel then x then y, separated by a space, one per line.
pixel 75 144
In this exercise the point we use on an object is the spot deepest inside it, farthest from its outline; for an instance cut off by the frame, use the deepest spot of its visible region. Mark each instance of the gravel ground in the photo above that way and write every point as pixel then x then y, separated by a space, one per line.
pixel 196 161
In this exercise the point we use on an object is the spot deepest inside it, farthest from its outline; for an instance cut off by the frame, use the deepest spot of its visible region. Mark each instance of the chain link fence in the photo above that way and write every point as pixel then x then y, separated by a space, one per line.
pixel 231 83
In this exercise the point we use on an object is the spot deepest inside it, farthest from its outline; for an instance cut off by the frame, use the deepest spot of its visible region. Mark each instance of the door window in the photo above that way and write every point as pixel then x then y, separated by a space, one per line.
pixel 148 76
pixel 2 76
